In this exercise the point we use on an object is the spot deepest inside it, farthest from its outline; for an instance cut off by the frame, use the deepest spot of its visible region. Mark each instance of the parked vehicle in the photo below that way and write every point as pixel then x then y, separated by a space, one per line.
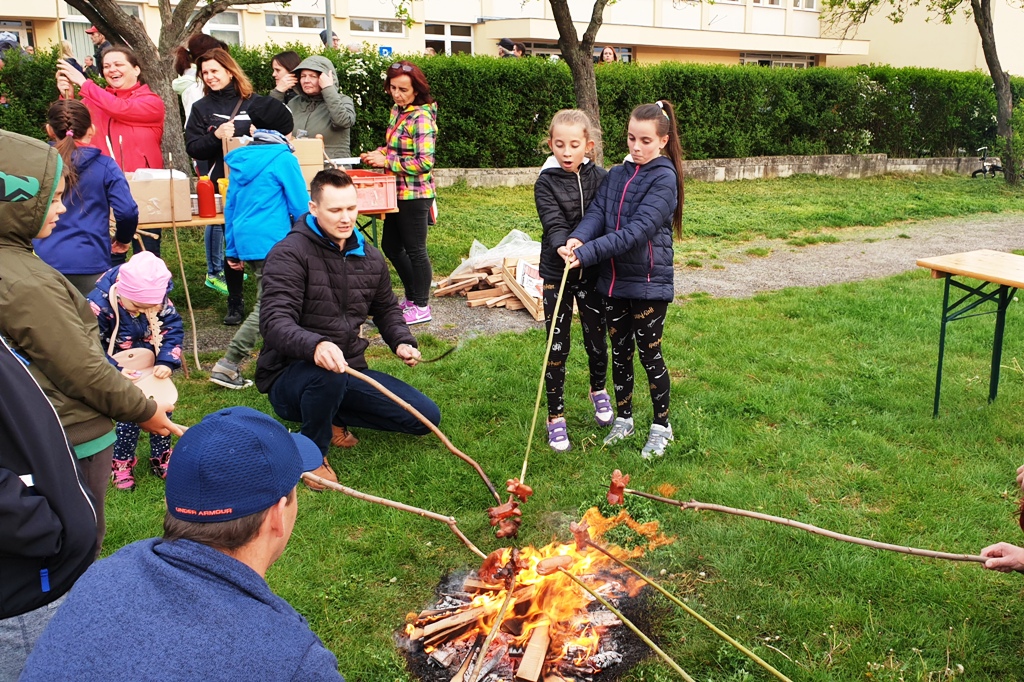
pixel 988 166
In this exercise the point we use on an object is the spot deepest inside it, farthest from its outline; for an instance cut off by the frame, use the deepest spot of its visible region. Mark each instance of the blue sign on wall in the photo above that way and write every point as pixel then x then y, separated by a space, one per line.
pixel 384 51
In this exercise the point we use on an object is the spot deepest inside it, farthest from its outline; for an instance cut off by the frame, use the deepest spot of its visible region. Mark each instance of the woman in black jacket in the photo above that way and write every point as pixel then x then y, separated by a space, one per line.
pixel 567 184
pixel 228 109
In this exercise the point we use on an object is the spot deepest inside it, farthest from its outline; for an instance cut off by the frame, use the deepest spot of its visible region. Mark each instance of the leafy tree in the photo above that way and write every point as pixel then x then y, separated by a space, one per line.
pixel 847 14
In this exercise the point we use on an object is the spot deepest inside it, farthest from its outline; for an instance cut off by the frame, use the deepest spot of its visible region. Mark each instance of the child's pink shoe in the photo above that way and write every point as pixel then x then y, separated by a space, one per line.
pixel 121 474
pixel 159 464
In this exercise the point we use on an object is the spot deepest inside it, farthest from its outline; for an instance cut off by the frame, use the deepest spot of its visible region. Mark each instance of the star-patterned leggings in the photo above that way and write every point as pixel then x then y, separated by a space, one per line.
pixel 128 441
pixel 643 321
pixel 591 308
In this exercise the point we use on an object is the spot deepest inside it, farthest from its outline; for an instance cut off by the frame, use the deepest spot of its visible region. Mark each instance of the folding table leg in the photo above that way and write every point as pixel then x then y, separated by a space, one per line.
pixel 942 345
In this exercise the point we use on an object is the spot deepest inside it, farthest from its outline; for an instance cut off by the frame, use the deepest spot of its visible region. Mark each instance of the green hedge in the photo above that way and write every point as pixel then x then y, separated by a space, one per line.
pixel 494 112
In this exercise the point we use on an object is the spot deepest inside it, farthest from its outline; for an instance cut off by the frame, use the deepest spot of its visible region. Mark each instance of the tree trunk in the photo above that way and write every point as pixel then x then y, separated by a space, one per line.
pixel 982 11
pixel 579 55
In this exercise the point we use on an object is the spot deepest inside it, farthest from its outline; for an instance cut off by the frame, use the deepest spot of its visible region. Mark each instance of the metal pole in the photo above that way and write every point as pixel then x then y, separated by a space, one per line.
pixel 327 13
pixel 942 346
pixel 1002 303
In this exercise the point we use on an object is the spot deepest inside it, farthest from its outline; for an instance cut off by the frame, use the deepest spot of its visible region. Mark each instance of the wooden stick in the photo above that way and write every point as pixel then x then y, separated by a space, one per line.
pixel 532 663
pixel 647 640
pixel 750 654
pixel 694 504
pixel 448 520
pixel 181 265
pixel 497 624
pixel 429 424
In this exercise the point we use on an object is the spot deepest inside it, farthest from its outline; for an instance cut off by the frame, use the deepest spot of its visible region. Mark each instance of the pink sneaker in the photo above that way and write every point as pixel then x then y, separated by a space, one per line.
pixel 121 474
pixel 404 304
pixel 415 314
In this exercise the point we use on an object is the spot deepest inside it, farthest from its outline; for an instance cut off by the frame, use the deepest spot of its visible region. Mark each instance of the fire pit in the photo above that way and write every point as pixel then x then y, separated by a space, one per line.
pixel 552 630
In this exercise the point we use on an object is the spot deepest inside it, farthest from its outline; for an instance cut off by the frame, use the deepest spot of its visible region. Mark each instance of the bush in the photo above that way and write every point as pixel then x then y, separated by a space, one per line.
pixel 495 112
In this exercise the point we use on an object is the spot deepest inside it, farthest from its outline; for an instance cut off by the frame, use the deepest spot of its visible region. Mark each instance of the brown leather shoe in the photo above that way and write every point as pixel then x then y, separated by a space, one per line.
pixel 324 471
pixel 342 437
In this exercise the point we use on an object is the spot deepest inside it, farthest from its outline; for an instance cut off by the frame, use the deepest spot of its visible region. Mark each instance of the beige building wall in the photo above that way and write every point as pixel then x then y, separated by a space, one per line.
pixel 656 55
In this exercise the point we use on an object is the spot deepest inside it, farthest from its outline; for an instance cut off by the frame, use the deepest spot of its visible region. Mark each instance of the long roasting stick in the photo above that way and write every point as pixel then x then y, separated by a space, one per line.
pixel 510 583
pixel 181 264
pixel 429 424
pixel 647 640
pixel 447 520
pixel 694 504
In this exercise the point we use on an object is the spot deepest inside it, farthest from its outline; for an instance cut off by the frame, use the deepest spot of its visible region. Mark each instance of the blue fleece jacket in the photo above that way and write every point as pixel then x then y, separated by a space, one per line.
pixel 186 612
pixel 80 243
pixel 628 230
pixel 266 195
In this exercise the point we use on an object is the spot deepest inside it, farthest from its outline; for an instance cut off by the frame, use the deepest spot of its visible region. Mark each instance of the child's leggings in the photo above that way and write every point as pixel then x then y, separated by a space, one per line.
pixel 645 321
pixel 128 441
pixel 591 308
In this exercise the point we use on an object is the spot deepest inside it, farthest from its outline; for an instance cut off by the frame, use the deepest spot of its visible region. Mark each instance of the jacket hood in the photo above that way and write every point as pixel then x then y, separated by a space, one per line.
pixel 84 156
pixel 248 162
pixel 552 164
pixel 314 63
pixel 354 246
pixel 29 173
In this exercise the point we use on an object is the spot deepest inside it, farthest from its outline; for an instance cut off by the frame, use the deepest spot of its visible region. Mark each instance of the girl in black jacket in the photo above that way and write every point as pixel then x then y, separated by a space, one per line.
pixel 628 230
pixel 568 182
pixel 227 109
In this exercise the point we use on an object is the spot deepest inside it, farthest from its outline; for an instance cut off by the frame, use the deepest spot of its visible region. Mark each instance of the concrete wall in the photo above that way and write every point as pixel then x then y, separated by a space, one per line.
pixel 751 168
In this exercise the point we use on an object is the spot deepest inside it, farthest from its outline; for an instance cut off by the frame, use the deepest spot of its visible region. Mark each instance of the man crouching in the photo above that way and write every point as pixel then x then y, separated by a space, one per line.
pixel 319 285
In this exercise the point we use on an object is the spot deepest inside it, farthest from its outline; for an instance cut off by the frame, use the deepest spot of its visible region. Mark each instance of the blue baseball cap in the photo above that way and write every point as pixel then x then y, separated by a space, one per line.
pixel 235 462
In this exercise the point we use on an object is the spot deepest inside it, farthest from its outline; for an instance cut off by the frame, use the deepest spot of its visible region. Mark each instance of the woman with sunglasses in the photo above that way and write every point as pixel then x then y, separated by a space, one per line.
pixel 408 152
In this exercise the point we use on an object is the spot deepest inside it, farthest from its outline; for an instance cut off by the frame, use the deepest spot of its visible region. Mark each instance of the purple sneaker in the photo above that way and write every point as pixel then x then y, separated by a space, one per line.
pixel 558 436
pixel 404 304
pixel 415 314
pixel 603 413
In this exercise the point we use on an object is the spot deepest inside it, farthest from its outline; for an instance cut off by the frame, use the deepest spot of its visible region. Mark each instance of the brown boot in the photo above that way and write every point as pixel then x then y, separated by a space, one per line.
pixel 342 437
pixel 325 472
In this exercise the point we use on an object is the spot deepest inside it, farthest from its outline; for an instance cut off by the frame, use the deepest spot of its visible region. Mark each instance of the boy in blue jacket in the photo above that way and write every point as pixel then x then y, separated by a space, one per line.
pixel 266 196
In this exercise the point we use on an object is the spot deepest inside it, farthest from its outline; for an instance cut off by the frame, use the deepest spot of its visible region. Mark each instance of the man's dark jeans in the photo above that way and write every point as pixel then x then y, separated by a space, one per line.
pixel 318 398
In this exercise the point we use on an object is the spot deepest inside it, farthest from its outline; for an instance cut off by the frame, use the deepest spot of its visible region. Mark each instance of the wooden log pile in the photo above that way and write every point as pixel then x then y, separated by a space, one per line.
pixel 494 287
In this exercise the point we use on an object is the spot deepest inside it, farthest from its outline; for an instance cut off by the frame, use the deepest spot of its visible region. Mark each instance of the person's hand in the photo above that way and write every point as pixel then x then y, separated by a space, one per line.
pixel 568 252
pixel 70 73
pixel 235 264
pixel 129 373
pixel 410 356
pixel 1003 557
pixel 161 424
pixel 162 372
pixel 326 80
pixel 118 247
pixel 375 159
pixel 286 83
pixel 225 130
pixel 1020 476
pixel 330 357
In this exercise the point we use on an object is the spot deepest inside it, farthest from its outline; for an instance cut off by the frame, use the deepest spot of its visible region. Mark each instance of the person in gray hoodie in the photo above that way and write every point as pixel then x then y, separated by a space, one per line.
pixel 319 108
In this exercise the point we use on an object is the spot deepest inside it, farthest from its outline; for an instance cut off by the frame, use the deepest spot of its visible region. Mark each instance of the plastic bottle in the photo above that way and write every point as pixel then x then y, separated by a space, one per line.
pixel 207 202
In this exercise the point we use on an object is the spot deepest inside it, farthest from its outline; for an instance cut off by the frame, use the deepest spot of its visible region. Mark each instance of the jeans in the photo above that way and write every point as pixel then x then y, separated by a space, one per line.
pixel 18 636
pixel 214 250
pixel 318 398
pixel 404 242
pixel 244 339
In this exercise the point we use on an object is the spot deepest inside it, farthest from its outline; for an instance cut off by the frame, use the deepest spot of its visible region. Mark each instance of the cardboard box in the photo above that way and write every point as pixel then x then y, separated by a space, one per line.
pixel 154 198
pixel 309 152
pixel 309 171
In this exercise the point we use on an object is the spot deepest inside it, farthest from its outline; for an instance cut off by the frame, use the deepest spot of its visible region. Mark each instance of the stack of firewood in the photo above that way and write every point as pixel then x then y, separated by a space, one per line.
pixel 494 287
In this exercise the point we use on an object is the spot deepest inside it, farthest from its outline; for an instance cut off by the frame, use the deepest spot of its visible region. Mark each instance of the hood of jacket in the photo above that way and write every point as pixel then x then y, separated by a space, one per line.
pixel 84 156
pixel 355 245
pixel 248 162
pixel 29 173
pixel 314 63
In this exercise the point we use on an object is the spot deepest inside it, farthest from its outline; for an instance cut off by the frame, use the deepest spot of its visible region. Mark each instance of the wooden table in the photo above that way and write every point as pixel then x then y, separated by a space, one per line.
pixel 1003 272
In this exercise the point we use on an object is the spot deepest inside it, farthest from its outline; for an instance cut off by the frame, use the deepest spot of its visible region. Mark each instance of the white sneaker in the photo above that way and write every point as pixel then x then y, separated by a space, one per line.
pixel 558 436
pixel 621 428
pixel 657 441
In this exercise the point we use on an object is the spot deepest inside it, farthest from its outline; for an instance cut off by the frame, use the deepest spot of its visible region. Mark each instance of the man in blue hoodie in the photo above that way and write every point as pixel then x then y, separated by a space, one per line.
pixel 195 601
pixel 266 196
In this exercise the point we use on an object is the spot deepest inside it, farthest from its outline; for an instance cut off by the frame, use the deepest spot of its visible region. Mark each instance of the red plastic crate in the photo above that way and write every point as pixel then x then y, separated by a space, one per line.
pixel 376 191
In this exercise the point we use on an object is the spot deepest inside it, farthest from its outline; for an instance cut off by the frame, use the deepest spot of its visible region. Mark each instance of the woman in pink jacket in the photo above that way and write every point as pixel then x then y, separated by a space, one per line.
pixel 129 117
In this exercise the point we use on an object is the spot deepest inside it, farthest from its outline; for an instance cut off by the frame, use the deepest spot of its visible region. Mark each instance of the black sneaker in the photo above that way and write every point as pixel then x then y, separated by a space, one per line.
pixel 226 374
pixel 236 313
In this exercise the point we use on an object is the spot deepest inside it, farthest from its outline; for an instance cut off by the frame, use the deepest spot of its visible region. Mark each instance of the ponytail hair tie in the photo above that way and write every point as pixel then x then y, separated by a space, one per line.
pixel 69 133
pixel 662 107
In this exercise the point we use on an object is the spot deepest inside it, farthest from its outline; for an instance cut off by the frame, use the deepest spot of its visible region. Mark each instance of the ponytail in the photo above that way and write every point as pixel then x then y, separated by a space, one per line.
pixel 66 121
pixel 664 116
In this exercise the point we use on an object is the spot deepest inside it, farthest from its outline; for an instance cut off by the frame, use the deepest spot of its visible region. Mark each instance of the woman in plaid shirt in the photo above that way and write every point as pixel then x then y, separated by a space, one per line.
pixel 409 154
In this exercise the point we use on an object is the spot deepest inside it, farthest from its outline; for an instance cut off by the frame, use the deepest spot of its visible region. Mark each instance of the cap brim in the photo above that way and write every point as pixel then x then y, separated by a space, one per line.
pixel 310 454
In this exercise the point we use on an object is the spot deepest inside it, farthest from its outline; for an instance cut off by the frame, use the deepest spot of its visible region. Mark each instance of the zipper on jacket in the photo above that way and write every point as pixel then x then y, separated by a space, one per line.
pixel 650 250
pixel 618 219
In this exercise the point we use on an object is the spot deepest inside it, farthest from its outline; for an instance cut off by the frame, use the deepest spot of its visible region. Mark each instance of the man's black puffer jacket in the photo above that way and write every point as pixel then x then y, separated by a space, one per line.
pixel 562 198
pixel 313 291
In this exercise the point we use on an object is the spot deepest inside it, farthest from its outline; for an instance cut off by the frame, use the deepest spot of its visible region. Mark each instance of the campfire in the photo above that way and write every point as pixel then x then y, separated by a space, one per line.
pixel 551 628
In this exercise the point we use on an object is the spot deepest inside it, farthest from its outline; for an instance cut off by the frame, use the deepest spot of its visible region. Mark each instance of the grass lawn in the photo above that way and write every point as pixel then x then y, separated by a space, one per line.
pixel 808 403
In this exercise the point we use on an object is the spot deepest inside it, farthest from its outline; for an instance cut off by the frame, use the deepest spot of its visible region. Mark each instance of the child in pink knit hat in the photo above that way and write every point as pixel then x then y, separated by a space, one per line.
pixel 131 305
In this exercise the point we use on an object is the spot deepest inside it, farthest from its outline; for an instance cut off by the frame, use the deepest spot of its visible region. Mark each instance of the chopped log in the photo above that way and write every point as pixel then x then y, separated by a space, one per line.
pixel 532 663
pixel 494 280
pixel 460 674
pixel 476 274
pixel 454 621
pixel 477 585
pixel 481 293
pixel 477 303
pixel 458 286
pixel 514 304
pixel 492 302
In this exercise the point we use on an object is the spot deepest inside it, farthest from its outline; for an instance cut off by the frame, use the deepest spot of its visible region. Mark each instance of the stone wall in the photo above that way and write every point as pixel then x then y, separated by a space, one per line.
pixel 750 168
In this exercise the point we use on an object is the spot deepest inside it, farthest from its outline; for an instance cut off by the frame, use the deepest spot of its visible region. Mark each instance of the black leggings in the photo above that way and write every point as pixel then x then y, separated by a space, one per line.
pixel 644 320
pixel 235 279
pixel 591 306
pixel 404 242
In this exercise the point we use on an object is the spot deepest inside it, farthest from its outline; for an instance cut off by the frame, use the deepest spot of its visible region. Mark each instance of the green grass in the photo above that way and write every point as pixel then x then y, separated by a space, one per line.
pixel 809 403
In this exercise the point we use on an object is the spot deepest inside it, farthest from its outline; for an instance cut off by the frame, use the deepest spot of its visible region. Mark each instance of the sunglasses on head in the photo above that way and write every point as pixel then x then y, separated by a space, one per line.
pixel 399 66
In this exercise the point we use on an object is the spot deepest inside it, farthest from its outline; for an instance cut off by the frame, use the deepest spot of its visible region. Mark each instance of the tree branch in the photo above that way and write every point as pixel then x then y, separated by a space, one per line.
pixel 590 35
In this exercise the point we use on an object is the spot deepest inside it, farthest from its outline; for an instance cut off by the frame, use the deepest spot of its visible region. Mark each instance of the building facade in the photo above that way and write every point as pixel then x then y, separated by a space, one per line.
pixel 774 33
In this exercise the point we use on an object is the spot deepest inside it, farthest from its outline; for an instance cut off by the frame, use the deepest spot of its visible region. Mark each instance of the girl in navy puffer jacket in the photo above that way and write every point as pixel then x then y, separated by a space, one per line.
pixel 628 230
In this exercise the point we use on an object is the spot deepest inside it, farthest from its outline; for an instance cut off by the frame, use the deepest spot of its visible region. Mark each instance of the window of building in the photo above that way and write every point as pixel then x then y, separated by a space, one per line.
pixel 778 61
pixel 449 38
pixel 226 26
pixel 291 21
pixel 811 5
pixel 23 29
pixel 769 3
pixel 386 27
pixel 625 53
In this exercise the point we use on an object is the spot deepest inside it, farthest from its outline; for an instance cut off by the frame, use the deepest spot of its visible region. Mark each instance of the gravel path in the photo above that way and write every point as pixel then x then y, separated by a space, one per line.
pixel 861 253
